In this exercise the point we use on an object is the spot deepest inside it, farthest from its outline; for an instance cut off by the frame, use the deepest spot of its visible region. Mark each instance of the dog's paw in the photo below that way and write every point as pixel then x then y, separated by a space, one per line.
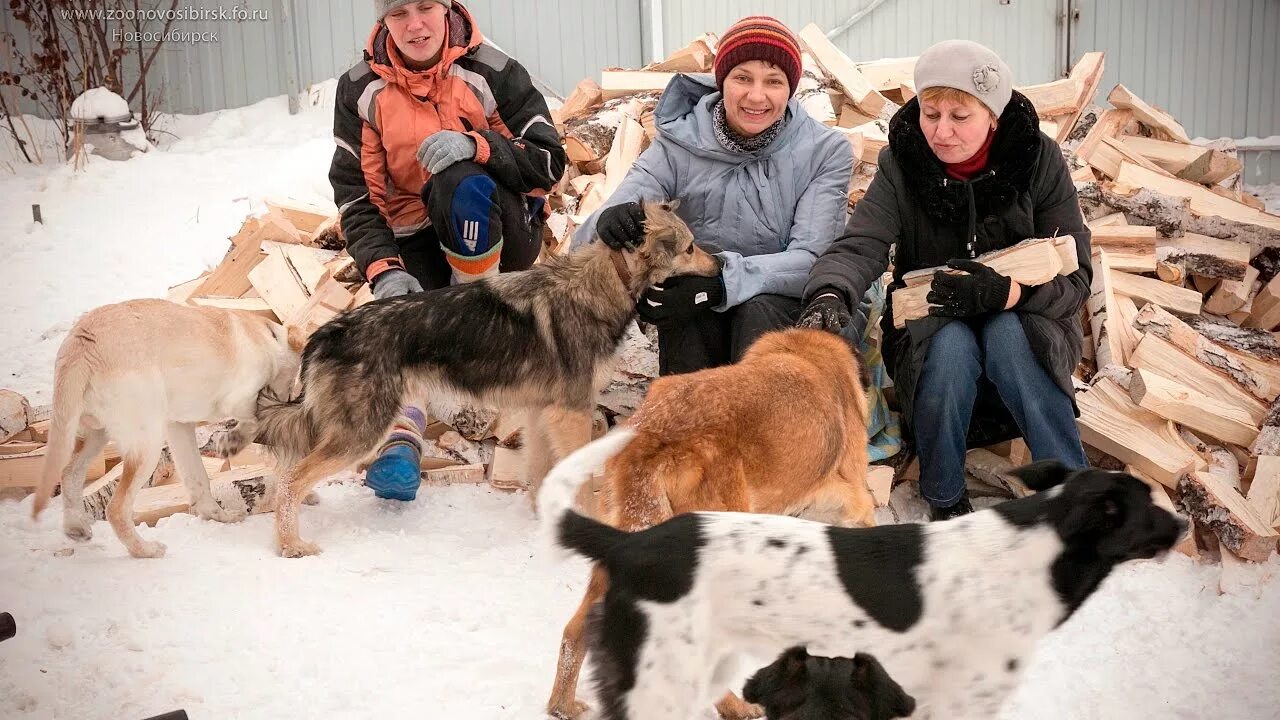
pixel 576 711
pixel 299 548
pixel 217 513
pixel 78 531
pixel 147 549
pixel 311 499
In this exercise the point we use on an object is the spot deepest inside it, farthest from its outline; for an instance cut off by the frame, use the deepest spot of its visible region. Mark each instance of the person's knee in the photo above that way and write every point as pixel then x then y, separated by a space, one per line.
pixel 768 312
pixel 953 354
pixel 1005 346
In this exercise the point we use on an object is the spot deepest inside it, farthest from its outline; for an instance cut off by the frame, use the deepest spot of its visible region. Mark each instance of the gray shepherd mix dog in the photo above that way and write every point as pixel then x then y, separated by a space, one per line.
pixel 538 341
pixel 145 373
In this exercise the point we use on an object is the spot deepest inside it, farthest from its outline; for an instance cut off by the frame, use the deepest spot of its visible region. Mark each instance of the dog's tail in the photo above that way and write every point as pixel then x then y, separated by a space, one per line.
pixel 285 428
pixel 71 372
pixel 564 527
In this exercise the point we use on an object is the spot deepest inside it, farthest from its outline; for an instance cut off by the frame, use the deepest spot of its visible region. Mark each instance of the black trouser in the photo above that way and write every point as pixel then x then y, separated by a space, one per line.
pixel 709 338
pixel 478 227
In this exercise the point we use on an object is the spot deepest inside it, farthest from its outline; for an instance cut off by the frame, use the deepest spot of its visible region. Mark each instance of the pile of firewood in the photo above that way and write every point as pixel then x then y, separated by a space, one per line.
pixel 1181 373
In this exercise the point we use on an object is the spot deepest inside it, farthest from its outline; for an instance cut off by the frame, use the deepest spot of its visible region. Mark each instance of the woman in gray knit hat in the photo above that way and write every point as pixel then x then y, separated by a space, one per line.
pixel 967 171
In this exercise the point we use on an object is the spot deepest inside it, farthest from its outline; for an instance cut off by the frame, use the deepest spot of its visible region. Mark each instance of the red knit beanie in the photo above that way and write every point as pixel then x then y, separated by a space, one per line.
pixel 758 37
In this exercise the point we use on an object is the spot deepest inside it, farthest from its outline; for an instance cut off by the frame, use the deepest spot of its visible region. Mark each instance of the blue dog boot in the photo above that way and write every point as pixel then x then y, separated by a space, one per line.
pixel 396 474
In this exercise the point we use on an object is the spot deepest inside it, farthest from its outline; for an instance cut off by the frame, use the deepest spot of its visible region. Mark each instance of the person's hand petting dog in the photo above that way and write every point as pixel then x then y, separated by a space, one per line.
pixel 679 297
pixel 827 312
pixel 621 226
pixel 979 291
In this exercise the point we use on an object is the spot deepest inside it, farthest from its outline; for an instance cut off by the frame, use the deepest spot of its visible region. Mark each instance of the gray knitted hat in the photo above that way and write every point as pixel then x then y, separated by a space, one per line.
pixel 382 7
pixel 966 65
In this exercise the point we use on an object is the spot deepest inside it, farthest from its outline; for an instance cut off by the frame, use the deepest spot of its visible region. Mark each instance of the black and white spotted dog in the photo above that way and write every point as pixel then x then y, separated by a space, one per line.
pixel 951 609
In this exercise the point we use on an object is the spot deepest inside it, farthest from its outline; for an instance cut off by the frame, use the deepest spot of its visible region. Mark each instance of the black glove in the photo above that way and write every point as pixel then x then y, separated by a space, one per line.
pixel 981 291
pixel 827 312
pixel 679 297
pixel 621 227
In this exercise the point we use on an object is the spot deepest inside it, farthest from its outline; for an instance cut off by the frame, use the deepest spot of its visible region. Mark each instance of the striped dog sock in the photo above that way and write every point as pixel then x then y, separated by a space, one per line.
pixel 396 474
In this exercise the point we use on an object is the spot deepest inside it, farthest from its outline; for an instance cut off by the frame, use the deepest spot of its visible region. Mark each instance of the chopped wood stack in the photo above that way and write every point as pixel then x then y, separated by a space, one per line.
pixel 1183 364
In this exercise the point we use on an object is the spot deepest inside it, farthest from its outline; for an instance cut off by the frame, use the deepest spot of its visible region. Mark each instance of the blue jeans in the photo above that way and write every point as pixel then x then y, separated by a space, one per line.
pixel 948 387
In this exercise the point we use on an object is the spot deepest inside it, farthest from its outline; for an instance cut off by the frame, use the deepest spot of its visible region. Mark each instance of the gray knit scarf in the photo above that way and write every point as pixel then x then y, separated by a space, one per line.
pixel 734 142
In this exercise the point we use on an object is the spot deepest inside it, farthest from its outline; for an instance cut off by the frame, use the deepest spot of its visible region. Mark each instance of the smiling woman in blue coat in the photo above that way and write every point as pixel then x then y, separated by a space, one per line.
pixel 761 184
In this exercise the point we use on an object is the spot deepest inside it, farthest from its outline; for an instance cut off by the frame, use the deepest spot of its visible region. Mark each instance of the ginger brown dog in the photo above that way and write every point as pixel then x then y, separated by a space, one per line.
pixel 783 431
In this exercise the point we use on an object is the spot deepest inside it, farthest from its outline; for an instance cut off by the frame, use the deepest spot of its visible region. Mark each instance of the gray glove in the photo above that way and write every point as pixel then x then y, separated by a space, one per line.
pixel 444 148
pixel 394 283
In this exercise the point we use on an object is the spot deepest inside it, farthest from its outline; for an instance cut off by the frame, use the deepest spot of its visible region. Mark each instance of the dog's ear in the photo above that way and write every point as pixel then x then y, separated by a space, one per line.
pixel 886 696
pixel 1042 475
pixel 670 205
pixel 787 673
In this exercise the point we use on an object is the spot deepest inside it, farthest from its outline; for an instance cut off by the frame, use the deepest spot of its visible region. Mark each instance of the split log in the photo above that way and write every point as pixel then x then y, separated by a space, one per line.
pixel 812 95
pixel 456 475
pixel 327 302
pixel 1088 72
pixel 1268 442
pixel 1163 294
pixel 1156 354
pixel 1197 164
pixel 1205 256
pixel 852 117
pixel 1181 404
pixel 1051 99
pixel 1204 202
pixel 1264 493
pixel 1171 215
pixel 1152 117
pixel 1104 317
pixel 15 411
pixel 1109 124
pixel 1214 504
pixel 1112 220
pixel 1107 155
pixel 889 73
pixel 1030 262
pixel 994 470
pixel 619 83
pixel 1110 422
pixel 507 471
pixel 1130 248
pixel 1265 313
pixel 880 483
pixel 1231 295
pixel 276 281
pixel 23 470
pixel 584 98
pixel 304 218
pixel 696 57
pixel 842 71
pixel 250 489
pixel 231 277
pixel 182 293
pixel 1249 357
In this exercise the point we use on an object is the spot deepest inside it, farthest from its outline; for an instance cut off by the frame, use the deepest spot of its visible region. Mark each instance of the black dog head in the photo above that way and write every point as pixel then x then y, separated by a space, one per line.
pixel 800 687
pixel 1105 514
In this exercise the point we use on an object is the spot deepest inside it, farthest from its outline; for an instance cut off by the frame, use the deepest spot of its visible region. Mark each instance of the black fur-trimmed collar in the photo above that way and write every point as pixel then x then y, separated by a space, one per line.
pixel 1014 152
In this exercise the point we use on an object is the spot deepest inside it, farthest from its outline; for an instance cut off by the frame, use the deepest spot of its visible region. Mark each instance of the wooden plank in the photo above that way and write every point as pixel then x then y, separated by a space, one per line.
pixel 1204 202
pixel 1181 404
pixel 1163 294
pixel 617 83
pixel 1110 422
pixel 231 277
pixel 1159 355
pixel 329 299
pixel 23 470
pixel 1264 493
pixel 842 71
pixel 1256 374
pixel 1156 119
pixel 1107 155
pixel 1088 71
pixel 305 218
pixel 181 293
pixel 888 73
pixel 275 280
pixel 472 474
pixel 1213 503
pixel 257 306
pixel 1059 97
pixel 1130 248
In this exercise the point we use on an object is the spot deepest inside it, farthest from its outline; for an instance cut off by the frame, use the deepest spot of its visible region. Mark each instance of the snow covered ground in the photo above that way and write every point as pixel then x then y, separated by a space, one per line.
pixel 441 608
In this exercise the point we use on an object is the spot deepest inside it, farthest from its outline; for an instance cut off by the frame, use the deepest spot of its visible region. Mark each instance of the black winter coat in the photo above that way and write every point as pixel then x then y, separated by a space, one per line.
pixel 1025 192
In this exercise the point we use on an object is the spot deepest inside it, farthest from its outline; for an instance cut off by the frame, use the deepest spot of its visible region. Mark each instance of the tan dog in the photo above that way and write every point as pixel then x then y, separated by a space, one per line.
pixel 146 372
pixel 784 431
pixel 538 341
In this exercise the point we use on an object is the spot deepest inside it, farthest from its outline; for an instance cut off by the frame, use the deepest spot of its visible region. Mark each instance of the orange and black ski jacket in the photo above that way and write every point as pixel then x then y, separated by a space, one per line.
pixel 384 111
